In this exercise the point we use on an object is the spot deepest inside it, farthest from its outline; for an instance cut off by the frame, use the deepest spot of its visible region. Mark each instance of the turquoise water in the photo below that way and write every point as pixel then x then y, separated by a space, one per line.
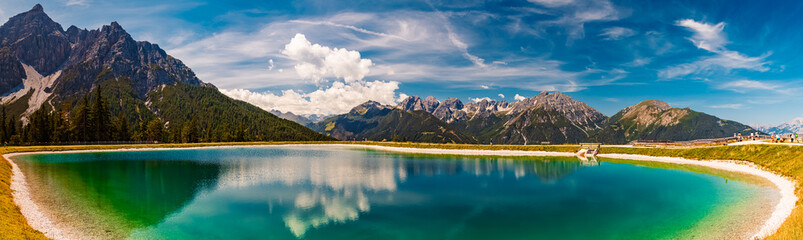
pixel 342 193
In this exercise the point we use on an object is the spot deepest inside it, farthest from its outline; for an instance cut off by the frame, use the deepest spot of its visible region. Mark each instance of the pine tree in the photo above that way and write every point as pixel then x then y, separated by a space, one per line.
pixel 239 134
pixel 122 130
pixel 3 131
pixel 175 132
pixel 155 130
pixel 81 121
pixel 101 119
pixel 11 129
pixel 40 127
pixel 190 132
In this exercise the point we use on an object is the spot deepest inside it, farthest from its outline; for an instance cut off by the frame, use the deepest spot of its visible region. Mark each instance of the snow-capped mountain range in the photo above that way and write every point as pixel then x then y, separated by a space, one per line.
pixel 794 126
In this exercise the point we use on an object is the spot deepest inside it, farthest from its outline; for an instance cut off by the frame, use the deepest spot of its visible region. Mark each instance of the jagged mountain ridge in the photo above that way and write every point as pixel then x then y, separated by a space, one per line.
pixel 52 69
pixel 558 118
pixel 546 117
pixel 76 60
pixel 374 121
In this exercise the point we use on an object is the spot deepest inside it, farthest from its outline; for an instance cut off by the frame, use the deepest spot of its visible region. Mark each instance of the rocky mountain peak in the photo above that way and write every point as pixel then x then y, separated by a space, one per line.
pixel 658 104
pixel 368 109
pixel 411 103
pixel 34 21
pixel 370 104
pixel 653 112
pixel 430 104
pixel 415 103
pixel 450 110
pixel 37 8
pixel 36 40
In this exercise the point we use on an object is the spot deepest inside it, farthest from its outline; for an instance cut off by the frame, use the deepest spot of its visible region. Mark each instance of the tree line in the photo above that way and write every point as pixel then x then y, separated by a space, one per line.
pixel 91 122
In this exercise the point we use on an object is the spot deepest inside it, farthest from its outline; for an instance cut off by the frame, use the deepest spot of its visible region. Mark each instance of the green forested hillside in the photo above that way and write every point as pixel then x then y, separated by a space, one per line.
pixel 656 120
pixel 220 118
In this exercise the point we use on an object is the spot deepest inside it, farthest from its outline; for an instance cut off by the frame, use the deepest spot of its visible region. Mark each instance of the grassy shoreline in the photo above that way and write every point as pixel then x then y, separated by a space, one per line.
pixel 784 160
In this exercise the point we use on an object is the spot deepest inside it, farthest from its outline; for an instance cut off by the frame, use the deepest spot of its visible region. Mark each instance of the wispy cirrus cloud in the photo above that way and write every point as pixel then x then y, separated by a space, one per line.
pixel 574 14
pixel 77 2
pixel 617 33
pixel 405 46
pixel 710 37
pixel 743 86
pixel 728 106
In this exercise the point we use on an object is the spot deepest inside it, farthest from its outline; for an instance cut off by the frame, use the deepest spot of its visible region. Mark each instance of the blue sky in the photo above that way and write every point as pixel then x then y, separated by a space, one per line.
pixel 738 60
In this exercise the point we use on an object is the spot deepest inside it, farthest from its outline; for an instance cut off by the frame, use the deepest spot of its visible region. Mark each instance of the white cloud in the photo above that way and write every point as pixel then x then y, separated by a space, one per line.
pixel 480 99
pixel 317 62
pixel 271 65
pixel 519 97
pixel 617 33
pixel 724 61
pixel 485 86
pixel 552 3
pixel 728 106
pixel 749 84
pixel 638 62
pixel 77 2
pixel 413 46
pixel 743 86
pixel 712 39
pixel 706 36
pixel 575 14
pixel 314 61
pixel 337 99
pixel 501 95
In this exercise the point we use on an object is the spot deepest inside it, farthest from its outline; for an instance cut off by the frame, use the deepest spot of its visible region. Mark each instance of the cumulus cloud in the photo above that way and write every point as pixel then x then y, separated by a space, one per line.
pixel 501 95
pixel 519 97
pixel 271 65
pixel 314 61
pixel 710 37
pixel 337 99
pixel 485 86
pixel 480 99
pixel 617 33
pixel 317 62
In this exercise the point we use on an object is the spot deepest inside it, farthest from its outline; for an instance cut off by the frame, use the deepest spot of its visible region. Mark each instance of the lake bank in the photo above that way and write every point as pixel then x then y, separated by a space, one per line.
pixel 777 216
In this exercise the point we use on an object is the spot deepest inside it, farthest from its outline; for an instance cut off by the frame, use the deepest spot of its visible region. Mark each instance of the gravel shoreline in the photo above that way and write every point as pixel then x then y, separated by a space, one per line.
pixel 37 219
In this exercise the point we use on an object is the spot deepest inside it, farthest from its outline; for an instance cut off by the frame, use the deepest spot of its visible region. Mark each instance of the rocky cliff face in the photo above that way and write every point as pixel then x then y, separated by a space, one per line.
pixel 36 40
pixel 11 69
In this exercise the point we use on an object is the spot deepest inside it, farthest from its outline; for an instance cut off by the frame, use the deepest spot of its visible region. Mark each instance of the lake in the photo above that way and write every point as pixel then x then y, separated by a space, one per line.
pixel 339 192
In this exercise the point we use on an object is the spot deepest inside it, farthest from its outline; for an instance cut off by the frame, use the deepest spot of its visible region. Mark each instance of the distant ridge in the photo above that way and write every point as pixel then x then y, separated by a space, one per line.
pixel 546 118
pixel 793 126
